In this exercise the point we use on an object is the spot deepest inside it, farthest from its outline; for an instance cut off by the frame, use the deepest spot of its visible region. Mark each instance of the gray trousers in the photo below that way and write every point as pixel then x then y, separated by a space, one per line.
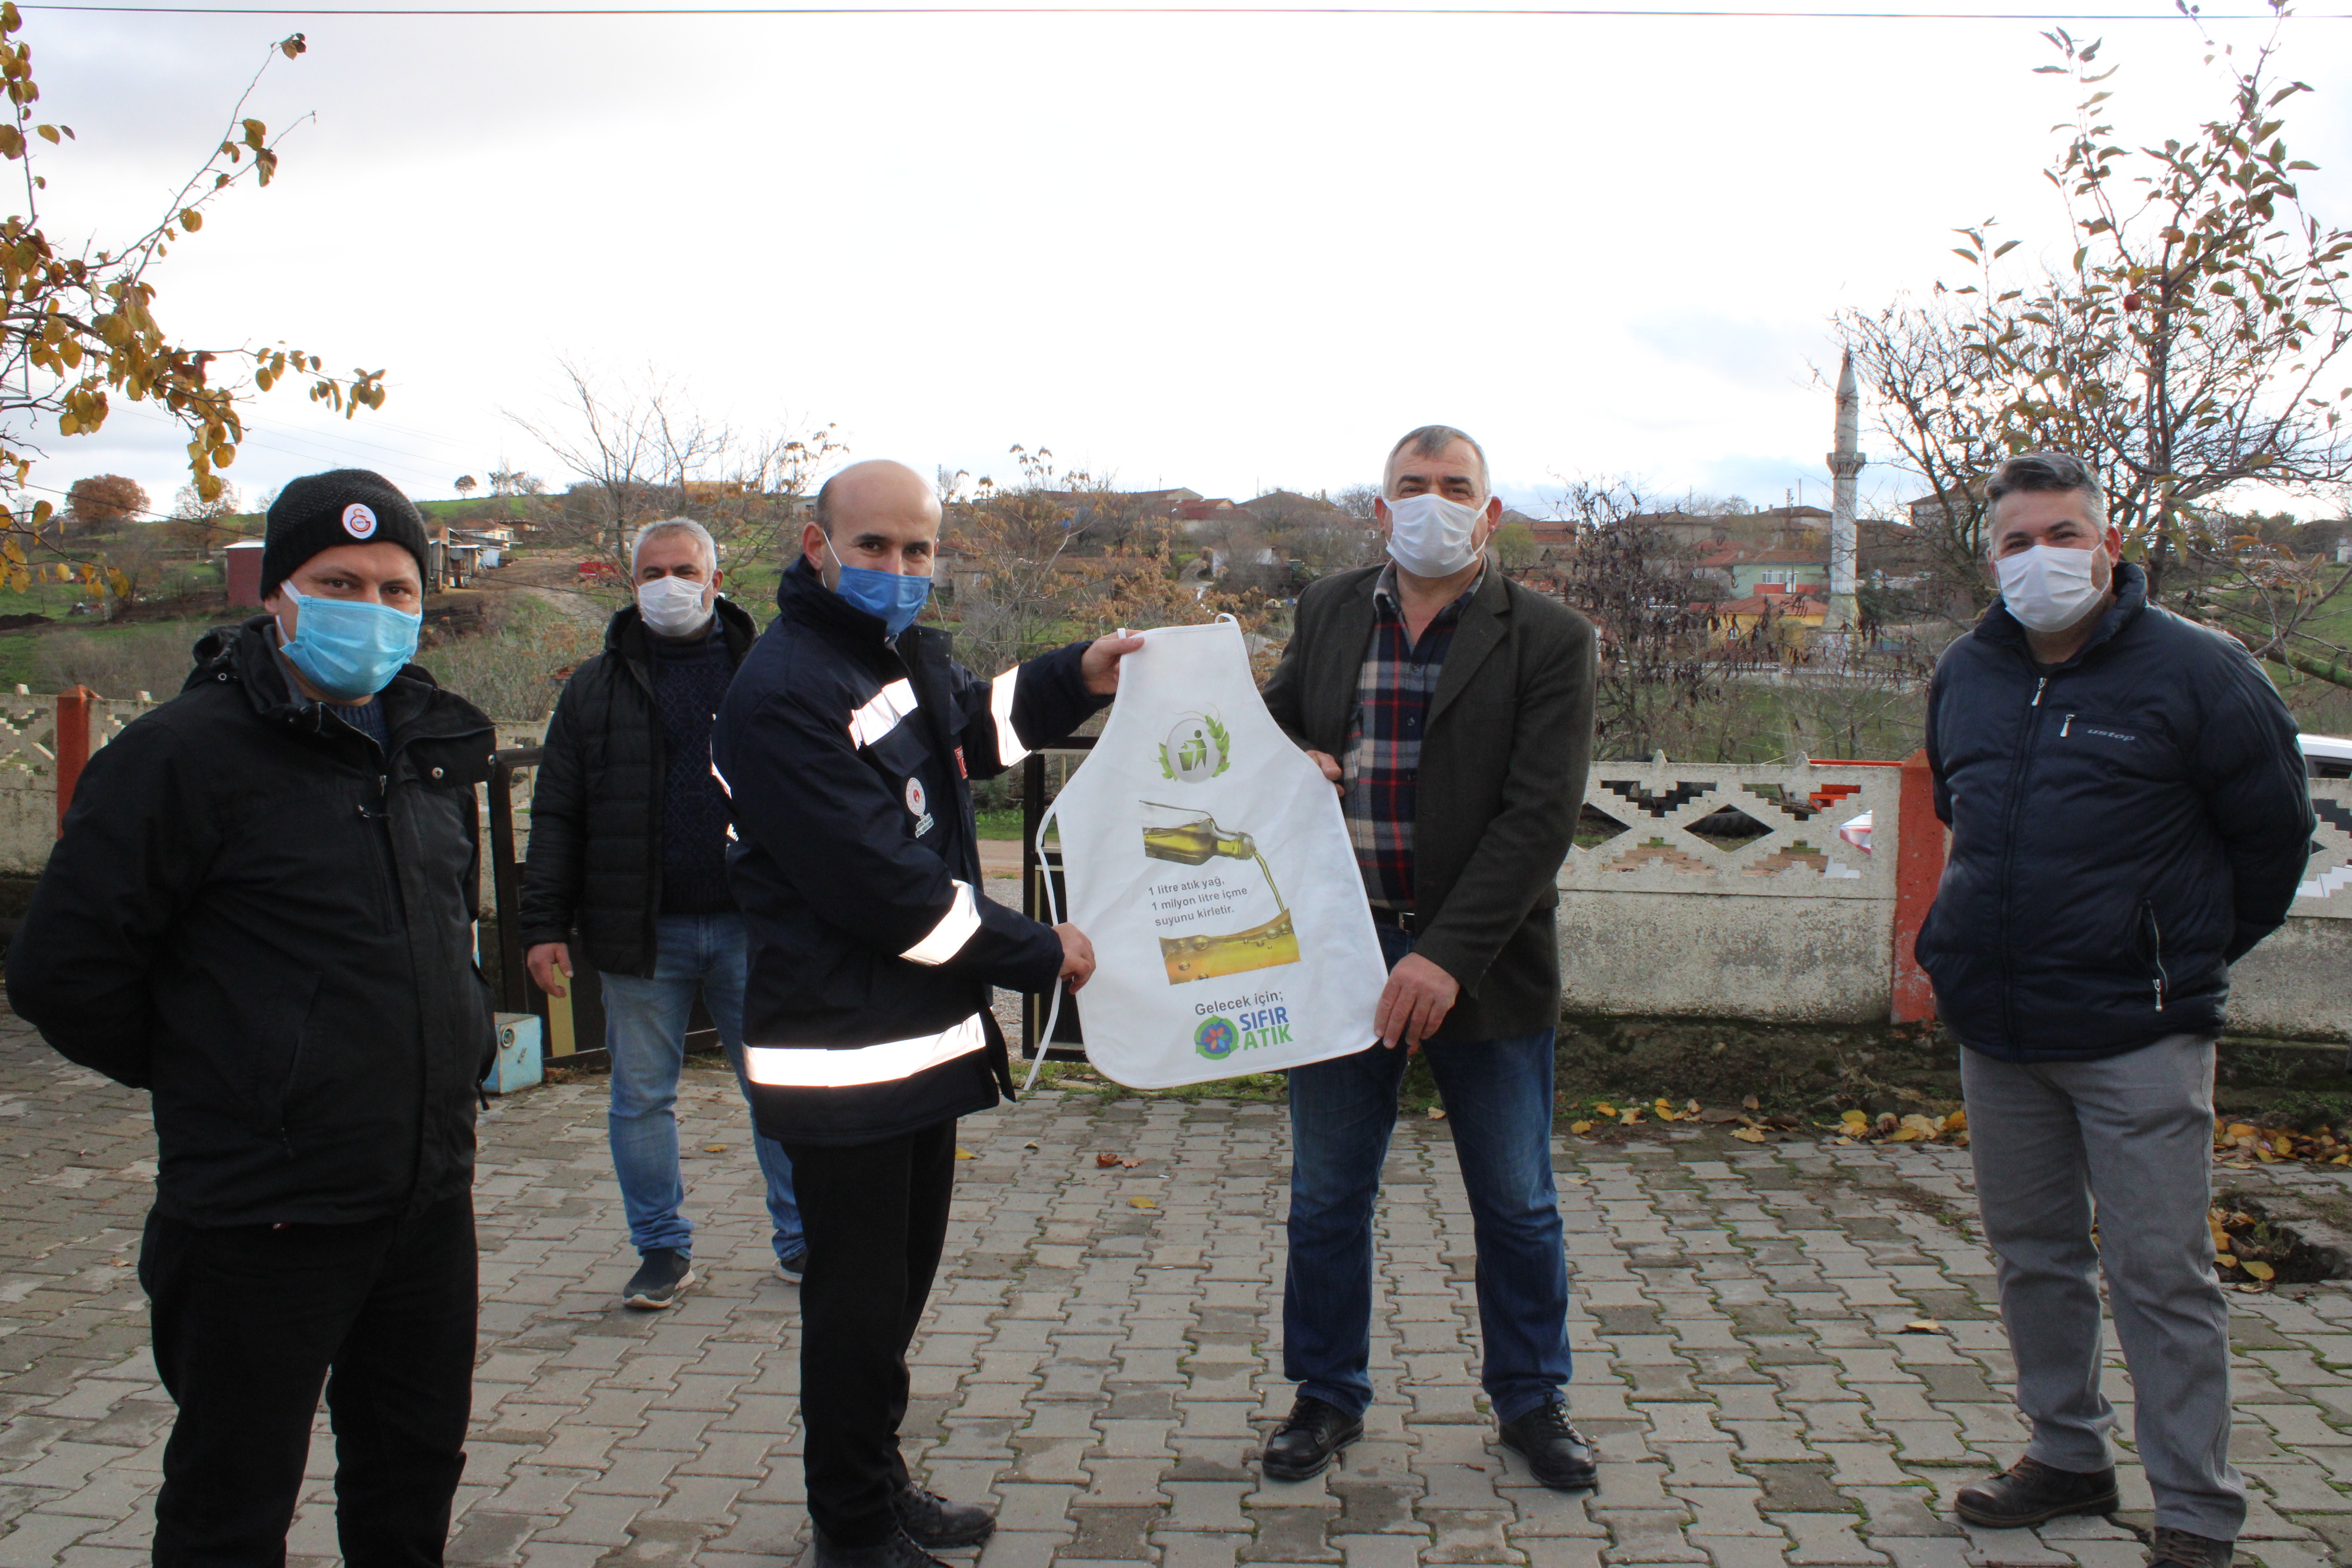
pixel 2133 1135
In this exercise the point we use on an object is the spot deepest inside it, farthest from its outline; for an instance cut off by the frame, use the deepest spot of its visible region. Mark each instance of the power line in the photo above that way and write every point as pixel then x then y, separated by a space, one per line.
pixel 1592 12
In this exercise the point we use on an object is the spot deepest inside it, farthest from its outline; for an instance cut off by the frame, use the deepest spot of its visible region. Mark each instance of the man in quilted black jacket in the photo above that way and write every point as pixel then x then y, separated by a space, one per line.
pixel 628 857
pixel 2129 817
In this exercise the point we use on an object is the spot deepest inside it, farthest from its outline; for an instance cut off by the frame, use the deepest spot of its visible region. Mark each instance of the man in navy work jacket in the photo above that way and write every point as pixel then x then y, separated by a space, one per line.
pixel 844 746
pixel 262 912
pixel 2129 817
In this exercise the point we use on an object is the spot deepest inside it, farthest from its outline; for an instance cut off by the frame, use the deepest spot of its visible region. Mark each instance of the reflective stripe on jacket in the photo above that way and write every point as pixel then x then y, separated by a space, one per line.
pixel 856 861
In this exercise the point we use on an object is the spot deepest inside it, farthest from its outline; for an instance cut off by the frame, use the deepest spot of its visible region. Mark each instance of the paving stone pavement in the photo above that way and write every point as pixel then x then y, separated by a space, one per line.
pixel 1102 1356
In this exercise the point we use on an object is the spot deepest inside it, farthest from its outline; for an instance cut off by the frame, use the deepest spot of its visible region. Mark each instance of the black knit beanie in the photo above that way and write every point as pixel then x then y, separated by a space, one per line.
pixel 349 506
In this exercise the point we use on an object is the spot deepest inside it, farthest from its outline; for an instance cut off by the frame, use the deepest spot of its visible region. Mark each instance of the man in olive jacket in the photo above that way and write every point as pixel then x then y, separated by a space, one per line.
pixel 1453 708
pixel 261 911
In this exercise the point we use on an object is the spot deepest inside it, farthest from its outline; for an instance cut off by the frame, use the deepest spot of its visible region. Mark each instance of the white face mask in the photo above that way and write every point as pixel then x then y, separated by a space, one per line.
pixel 2048 588
pixel 1430 536
pixel 673 606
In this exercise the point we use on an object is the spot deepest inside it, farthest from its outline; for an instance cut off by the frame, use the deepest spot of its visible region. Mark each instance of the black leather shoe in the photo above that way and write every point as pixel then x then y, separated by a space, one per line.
pixel 1308 1439
pixel 896 1552
pixel 936 1524
pixel 1556 1451
pixel 2029 1491
pixel 2177 1546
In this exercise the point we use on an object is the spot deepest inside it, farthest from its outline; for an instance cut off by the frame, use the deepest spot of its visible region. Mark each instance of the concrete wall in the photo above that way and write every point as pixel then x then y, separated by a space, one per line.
pixel 2298 985
pixel 1798 926
pixel 1785 960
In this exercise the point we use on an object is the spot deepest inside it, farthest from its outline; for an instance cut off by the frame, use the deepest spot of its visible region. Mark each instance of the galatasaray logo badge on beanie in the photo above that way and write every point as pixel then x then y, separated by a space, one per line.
pixel 346 505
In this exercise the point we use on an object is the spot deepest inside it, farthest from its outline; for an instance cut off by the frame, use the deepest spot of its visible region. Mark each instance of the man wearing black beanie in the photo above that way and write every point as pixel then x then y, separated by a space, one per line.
pixel 260 910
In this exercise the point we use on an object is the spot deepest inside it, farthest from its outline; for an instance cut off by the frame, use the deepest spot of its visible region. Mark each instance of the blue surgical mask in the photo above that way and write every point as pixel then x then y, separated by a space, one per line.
pixel 894 599
pixel 349 649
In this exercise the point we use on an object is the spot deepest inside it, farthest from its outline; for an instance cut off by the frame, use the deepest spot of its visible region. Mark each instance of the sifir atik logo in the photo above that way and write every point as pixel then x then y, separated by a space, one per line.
pixel 1218 1037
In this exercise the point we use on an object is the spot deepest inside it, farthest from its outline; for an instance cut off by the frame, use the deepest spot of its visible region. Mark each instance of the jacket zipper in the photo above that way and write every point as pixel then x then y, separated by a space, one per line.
pixel 2069 724
pixel 2009 852
pixel 2156 950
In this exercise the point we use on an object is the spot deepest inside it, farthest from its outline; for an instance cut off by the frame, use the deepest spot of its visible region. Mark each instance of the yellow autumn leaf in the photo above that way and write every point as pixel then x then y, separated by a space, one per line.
pixel 1629 1118
pixel 2224 1260
pixel 1749 1135
pixel 2239 1129
pixel 964 1153
pixel 1923 1125
pixel 2283 1145
pixel 1856 1118
pixel 1604 1107
pixel 714 1148
pixel 1907 1135
pixel 1580 1127
pixel 1142 1203
pixel 2257 1270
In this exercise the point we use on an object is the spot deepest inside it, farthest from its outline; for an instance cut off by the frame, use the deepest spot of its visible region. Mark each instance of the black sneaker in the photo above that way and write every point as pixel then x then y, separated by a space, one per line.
pixel 660 1279
pixel 2179 1549
pixel 936 1524
pixel 1308 1439
pixel 792 1264
pixel 896 1552
pixel 1556 1451
pixel 2031 1492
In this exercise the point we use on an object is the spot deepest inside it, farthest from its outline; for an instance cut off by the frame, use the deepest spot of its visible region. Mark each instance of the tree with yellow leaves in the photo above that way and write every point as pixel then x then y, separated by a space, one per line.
pixel 78 327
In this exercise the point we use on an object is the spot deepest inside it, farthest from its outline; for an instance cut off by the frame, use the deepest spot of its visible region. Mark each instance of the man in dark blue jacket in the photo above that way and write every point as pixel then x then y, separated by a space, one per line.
pixel 2128 818
pixel 844 746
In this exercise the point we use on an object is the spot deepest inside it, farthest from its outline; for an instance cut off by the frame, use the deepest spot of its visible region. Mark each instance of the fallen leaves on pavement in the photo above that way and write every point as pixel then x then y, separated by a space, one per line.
pixel 1861 1127
pixel 2247 1248
pixel 2242 1143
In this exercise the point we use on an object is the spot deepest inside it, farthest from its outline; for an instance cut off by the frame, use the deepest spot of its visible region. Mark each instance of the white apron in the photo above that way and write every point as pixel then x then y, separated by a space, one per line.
pixel 1207 860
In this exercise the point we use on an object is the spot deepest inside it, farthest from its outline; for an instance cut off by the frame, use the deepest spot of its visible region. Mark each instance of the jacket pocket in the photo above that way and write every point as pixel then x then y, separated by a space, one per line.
pixel 280 1055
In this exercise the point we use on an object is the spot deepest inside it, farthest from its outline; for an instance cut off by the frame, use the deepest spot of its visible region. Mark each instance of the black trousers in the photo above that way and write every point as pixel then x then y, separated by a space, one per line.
pixel 250 1321
pixel 876 1216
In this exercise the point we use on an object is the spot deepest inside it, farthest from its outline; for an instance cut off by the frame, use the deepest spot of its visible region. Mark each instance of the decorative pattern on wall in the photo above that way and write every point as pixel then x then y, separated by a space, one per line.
pixel 1724 828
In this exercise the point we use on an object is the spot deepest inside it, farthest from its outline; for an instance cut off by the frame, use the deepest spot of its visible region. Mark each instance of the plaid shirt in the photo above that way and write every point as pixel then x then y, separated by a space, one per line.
pixel 1381 774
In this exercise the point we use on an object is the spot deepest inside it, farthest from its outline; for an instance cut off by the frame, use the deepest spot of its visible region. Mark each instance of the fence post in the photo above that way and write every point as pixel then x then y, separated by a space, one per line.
pixel 74 705
pixel 1919 867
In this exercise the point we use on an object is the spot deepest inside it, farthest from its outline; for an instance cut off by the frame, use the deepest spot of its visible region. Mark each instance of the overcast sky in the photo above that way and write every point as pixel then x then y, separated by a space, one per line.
pixel 1225 251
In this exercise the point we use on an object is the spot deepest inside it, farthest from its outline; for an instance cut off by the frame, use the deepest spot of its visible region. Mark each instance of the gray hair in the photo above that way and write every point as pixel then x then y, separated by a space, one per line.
pixel 2050 472
pixel 674 525
pixel 1432 441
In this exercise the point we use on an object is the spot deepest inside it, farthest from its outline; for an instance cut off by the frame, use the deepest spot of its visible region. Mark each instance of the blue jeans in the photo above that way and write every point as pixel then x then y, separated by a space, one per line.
pixel 645 1029
pixel 1497 1097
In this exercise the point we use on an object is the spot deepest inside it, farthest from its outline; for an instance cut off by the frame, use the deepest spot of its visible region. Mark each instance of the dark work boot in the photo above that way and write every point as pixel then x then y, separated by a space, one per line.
pixel 896 1552
pixel 1556 1451
pixel 2179 1549
pixel 2029 1491
pixel 936 1524
pixel 1308 1439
